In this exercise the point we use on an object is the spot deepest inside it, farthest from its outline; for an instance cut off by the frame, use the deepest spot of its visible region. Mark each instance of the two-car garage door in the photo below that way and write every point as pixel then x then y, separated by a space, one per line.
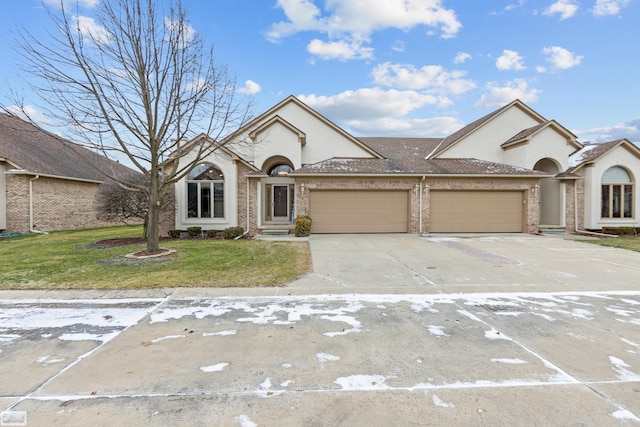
pixel 387 211
pixel 476 211
pixel 359 211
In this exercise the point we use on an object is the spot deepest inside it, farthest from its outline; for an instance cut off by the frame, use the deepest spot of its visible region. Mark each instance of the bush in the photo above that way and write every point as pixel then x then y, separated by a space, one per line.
pixel 620 231
pixel 232 232
pixel 194 231
pixel 302 226
pixel 174 234
pixel 212 233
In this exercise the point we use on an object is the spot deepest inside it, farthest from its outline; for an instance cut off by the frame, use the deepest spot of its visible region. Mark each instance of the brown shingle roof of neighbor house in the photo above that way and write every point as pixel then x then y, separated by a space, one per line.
pixel 36 151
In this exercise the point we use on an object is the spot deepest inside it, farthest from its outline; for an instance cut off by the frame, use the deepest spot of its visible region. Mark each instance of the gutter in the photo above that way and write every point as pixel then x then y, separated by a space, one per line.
pixel 414 175
pixel 420 214
pixel 44 175
pixel 31 229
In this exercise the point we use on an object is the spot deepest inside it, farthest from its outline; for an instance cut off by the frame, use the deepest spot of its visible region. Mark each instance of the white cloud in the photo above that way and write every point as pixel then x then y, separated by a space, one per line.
pixel 89 4
pixel 609 7
pixel 561 58
pixel 432 78
pixel 499 95
pixel 565 8
pixel 28 113
pixel 341 50
pixel 250 88
pixel 388 126
pixel 510 60
pixel 88 27
pixel 369 103
pixel 629 130
pixel 461 58
pixel 183 30
pixel 355 20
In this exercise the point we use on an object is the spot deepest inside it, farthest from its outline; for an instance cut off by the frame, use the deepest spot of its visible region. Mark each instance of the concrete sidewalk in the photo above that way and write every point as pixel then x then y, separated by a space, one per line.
pixel 388 330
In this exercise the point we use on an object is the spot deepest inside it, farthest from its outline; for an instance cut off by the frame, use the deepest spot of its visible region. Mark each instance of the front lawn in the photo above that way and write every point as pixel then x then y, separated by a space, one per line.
pixel 631 243
pixel 70 260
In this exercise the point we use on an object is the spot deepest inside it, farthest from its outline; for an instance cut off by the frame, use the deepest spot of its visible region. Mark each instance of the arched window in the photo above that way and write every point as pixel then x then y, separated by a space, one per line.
pixel 205 192
pixel 617 194
pixel 280 170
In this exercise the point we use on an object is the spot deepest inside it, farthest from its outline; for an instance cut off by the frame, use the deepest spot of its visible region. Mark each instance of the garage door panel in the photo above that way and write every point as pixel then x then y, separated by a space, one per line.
pixel 476 211
pixel 359 211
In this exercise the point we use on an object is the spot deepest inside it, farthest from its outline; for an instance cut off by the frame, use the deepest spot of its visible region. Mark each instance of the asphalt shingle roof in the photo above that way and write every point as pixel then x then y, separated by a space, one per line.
pixel 38 151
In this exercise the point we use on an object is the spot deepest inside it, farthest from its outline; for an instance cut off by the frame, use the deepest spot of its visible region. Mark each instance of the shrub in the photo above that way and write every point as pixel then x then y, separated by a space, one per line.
pixel 302 226
pixel 194 231
pixel 174 234
pixel 620 231
pixel 212 233
pixel 232 232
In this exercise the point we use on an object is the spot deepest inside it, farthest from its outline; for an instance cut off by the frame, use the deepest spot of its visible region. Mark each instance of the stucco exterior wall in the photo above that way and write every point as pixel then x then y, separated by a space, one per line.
pixel 593 177
pixel 229 170
pixel 484 143
pixel 276 139
pixel 57 204
pixel 547 144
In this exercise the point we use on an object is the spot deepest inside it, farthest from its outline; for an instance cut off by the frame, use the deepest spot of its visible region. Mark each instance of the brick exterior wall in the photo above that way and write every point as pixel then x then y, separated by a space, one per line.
pixel 575 186
pixel 167 219
pixel 254 183
pixel 413 186
pixel 58 204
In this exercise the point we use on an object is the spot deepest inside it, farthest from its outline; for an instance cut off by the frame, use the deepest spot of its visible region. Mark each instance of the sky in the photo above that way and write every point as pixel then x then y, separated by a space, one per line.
pixel 412 68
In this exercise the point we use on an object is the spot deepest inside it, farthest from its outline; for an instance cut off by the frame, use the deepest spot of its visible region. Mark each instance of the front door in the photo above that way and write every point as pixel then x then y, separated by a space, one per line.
pixel 280 202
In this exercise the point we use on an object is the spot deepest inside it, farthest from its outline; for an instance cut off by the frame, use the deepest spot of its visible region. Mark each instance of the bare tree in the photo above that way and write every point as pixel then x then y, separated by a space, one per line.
pixel 135 83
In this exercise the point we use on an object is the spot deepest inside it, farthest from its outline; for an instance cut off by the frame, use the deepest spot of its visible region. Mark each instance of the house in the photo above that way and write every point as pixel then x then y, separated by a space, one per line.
pixel 510 171
pixel 46 182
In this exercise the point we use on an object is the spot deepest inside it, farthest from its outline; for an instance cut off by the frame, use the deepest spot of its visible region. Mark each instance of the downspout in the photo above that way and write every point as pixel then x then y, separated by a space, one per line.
pixel 420 213
pixel 31 229
pixel 247 215
pixel 575 216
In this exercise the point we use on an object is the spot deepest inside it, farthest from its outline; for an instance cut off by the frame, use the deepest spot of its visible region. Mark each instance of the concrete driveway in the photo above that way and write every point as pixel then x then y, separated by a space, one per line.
pixel 388 330
pixel 498 263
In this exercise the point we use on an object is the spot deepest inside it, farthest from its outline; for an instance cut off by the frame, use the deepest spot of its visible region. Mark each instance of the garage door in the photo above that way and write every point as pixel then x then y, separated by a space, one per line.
pixel 476 211
pixel 355 211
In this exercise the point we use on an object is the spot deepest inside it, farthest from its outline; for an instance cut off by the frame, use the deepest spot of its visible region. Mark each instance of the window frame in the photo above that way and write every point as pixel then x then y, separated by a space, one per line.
pixel 216 190
pixel 616 197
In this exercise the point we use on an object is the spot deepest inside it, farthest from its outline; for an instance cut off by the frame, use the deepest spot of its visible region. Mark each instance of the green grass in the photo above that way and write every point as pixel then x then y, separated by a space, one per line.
pixel 631 243
pixel 66 260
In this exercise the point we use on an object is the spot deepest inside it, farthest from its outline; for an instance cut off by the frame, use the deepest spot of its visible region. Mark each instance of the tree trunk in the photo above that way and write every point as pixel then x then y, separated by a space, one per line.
pixel 153 226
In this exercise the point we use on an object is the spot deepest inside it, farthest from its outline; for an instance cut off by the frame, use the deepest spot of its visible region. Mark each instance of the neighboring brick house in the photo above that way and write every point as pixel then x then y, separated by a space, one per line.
pixel 509 171
pixel 47 183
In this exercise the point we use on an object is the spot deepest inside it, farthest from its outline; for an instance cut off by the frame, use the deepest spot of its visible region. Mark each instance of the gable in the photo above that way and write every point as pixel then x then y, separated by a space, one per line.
pixel 293 130
pixel 484 139
pixel 543 141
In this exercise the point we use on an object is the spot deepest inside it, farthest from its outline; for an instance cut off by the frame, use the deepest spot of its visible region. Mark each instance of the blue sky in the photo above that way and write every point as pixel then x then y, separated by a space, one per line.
pixel 415 68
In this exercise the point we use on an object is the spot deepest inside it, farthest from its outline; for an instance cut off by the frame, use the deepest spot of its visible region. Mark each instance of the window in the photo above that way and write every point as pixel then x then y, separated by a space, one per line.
pixel 205 192
pixel 616 194
pixel 280 170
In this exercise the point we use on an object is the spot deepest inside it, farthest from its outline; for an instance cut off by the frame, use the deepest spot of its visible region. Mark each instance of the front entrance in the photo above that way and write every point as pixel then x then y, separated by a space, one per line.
pixel 279 200
pixel 550 194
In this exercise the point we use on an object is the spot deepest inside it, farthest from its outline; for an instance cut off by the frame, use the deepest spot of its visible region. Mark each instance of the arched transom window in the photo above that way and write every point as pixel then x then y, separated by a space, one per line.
pixel 205 192
pixel 617 194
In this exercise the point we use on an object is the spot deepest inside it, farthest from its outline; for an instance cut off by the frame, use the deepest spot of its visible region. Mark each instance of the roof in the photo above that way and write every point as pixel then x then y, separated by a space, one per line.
pixel 591 152
pixel 36 151
pixel 471 127
pixel 526 134
pixel 362 166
